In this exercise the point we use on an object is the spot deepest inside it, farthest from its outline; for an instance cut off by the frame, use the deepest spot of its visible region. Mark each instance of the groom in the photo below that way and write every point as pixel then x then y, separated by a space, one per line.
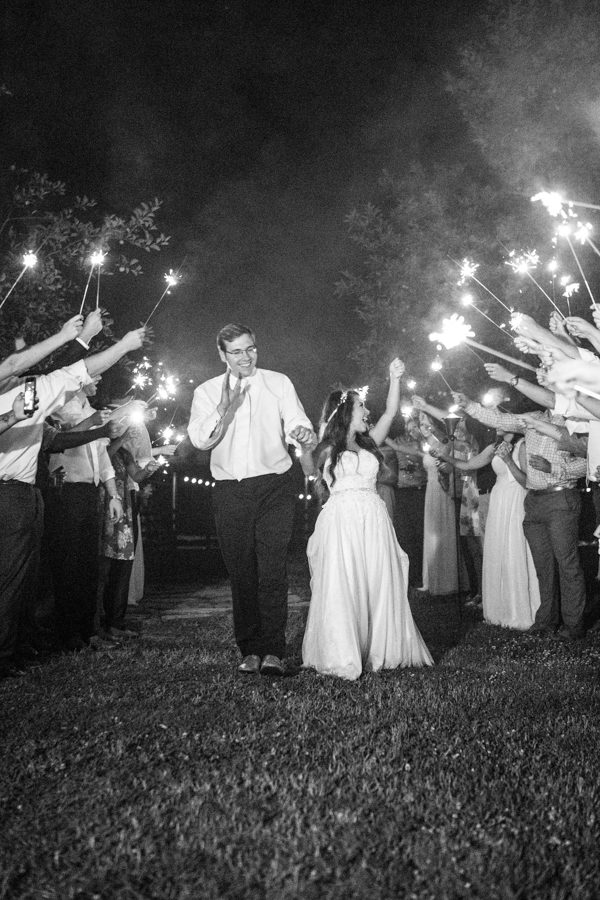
pixel 247 418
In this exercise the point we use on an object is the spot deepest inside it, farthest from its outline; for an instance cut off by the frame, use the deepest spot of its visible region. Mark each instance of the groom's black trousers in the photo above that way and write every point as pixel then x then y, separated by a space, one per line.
pixel 254 519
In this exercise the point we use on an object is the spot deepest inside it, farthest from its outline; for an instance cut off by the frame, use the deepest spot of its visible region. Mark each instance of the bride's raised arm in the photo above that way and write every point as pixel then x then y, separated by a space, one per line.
pixel 381 429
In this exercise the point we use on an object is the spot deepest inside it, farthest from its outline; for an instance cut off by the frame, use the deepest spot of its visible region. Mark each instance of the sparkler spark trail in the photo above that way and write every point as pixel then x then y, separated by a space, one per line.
pixel 172 279
pixel 29 261
pixel 467 270
pixel 96 259
pixel 564 232
pixel 468 301
pixel 455 332
pixel 437 366
pixel 523 264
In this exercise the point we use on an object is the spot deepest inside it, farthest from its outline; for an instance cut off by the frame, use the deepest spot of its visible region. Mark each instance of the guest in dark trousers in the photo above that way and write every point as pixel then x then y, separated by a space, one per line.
pixel 247 418
pixel 410 492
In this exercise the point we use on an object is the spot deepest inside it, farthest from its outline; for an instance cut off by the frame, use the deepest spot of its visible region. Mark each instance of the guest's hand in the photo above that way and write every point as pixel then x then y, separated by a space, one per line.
pixel 18 407
pixel 418 402
pixel 133 340
pixel 71 329
pixel 459 399
pixel 116 428
pixel 503 450
pixel 539 463
pixel 92 325
pixel 115 509
pixel 397 369
pixel 498 373
pixel 150 468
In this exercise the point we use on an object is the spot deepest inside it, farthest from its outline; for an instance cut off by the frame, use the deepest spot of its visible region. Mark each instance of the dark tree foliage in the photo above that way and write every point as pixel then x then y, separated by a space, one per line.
pixel 37 216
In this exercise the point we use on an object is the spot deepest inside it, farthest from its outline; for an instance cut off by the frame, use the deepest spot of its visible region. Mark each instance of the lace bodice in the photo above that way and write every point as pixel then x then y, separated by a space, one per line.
pixel 353 472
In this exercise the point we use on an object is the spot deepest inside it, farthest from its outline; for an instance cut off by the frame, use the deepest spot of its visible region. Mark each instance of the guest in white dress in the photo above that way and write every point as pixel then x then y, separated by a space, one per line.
pixel 511 594
pixel 359 617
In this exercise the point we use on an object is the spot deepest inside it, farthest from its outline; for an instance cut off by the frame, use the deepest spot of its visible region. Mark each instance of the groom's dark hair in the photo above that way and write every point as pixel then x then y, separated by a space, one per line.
pixel 231 332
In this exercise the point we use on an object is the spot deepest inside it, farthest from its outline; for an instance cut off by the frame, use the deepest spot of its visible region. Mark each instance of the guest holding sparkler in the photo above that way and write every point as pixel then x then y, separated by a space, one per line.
pixel 441 572
pixel 359 617
pixel 21 506
pixel 247 418
pixel 510 592
pixel 410 491
pixel 552 506
pixel 131 456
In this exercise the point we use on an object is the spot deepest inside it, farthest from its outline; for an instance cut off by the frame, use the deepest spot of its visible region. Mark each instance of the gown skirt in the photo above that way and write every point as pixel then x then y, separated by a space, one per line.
pixel 359 617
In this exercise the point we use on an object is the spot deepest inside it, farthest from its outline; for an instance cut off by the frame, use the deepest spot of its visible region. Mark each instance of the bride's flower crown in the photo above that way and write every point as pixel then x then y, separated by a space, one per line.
pixel 361 393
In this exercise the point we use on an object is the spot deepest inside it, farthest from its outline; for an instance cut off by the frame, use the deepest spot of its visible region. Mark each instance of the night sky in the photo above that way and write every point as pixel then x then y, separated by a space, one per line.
pixel 259 124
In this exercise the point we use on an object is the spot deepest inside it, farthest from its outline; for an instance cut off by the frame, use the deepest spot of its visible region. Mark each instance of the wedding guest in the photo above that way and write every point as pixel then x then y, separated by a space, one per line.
pixel 73 523
pixel 21 506
pixel 410 494
pixel 247 417
pixel 510 592
pixel 552 508
pixel 359 617
pixel 119 538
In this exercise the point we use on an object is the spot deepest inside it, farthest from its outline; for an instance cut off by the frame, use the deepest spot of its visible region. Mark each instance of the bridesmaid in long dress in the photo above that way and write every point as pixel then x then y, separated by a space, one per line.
pixel 440 557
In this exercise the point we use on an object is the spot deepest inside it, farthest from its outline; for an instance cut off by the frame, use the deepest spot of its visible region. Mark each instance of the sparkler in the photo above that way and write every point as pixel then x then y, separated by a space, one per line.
pixel 172 280
pixel 96 259
pixel 523 264
pixel 467 300
pixel 437 366
pixel 564 230
pixel 467 270
pixel 455 331
pixel 555 204
pixel 29 261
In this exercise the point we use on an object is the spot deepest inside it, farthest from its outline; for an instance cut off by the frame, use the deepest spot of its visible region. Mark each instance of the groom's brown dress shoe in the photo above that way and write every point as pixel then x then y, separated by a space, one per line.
pixel 272 665
pixel 250 665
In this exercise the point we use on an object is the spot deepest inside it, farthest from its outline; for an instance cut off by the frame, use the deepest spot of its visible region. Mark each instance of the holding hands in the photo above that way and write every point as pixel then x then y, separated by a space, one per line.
pixel 305 437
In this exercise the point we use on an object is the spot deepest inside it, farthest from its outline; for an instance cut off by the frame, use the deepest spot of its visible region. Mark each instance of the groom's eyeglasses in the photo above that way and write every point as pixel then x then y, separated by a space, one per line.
pixel 247 351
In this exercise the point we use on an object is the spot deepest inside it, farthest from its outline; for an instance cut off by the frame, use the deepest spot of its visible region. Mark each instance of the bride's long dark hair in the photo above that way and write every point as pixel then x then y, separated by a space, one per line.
pixel 336 418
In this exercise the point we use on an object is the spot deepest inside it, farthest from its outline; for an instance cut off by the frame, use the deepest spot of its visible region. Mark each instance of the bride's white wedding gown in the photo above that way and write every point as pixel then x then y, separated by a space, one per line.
pixel 359 617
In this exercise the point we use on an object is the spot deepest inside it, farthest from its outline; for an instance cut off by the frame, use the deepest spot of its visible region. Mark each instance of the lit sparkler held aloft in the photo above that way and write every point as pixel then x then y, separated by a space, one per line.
pixel 522 264
pixel 172 279
pixel 455 331
pixel 467 271
pixel 96 260
pixel 468 300
pixel 436 366
pixel 29 261
pixel 565 232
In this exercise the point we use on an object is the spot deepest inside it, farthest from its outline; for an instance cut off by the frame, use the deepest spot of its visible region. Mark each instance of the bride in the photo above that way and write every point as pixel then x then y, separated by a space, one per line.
pixel 359 617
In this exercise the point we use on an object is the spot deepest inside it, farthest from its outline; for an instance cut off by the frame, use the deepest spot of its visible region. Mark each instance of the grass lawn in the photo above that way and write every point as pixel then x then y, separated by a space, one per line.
pixel 156 771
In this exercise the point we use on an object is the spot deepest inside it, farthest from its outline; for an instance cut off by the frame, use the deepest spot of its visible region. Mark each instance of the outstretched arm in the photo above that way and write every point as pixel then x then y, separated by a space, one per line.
pixel 27 359
pixel 100 362
pixel 468 465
